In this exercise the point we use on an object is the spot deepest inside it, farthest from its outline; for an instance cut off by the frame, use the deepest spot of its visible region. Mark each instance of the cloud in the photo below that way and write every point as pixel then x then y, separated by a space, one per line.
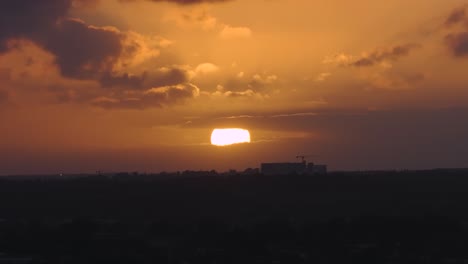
pixel 81 51
pixel 107 54
pixel 457 42
pixel 257 85
pixel 20 18
pixel 73 92
pixel 206 68
pixel 295 114
pixel 140 48
pixel 181 2
pixel 264 80
pixel 104 55
pixel 277 115
pixel 166 76
pixel 322 76
pixel 459 15
pixel 123 81
pixel 382 77
pixel 152 98
pixel 238 117
pixel 192 18
pixel 95 65
pixel 199 18
pixel 265 120
pixel 246 93
pixel 229 32
pixel 372 58
pixel 31 19
pixel 391 80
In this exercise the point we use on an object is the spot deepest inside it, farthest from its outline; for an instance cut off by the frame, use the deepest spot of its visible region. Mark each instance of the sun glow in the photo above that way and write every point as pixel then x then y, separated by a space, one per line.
pixel 230 136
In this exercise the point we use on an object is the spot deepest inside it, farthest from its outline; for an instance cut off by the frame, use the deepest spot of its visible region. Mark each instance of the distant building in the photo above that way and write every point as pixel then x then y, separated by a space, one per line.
pixel 283 168
pixel 316 169
pixel 291 168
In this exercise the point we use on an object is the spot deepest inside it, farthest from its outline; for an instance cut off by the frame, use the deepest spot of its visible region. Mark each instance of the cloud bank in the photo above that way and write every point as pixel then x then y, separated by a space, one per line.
pixel 91 53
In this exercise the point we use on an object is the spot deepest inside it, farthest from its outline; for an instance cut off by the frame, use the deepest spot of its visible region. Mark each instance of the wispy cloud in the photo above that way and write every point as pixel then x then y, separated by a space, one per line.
pixel 229 32
pixel 372 58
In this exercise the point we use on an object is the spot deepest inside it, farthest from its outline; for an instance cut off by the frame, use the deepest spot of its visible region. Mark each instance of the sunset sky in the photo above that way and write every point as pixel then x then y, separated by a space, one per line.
pixel 138 85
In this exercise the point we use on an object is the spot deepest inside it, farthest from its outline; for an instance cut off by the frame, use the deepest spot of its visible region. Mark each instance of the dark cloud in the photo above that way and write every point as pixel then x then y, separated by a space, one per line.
pixel 31 18
pixel 457 16
pixel 167 77
pixel 83 51
pixel 162 77
pixel 72 93
pixel 457 42
pixel 391 54
pixel 153 98
pixel 27 18
pixel 123 80
pixel 86 52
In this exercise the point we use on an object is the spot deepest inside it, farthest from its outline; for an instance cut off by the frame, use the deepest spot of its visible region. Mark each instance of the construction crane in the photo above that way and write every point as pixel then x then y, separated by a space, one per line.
pixel 303 157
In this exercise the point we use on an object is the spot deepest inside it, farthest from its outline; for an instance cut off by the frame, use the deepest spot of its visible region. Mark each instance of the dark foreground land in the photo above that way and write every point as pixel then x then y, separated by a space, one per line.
pixel 379 217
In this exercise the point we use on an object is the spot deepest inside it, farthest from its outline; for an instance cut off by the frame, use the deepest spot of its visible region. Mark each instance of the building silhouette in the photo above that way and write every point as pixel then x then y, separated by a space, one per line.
pixel 291 168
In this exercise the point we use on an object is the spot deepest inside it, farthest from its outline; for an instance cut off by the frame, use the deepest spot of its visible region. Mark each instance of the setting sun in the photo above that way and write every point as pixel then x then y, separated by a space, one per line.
pixel 230 136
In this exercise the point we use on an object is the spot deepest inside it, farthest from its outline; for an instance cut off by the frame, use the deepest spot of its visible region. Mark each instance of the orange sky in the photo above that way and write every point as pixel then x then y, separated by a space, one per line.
pixel 124 85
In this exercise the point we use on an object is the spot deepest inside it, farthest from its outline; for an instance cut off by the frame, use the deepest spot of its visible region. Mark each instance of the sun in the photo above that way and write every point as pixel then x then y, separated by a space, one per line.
pixel 229 136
